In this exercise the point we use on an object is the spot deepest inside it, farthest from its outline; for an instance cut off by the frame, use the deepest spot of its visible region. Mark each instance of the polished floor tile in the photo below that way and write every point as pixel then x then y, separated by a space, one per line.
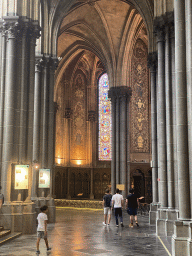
pixel 79 232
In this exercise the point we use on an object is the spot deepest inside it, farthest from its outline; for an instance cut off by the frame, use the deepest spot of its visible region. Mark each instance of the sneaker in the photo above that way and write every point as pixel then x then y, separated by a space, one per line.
pixel 104 224
pixel 117 225
pixel 108 224
pixel 137 224
pixel 37 252
pixel 131 225
pixel 48 249
pixel 122 224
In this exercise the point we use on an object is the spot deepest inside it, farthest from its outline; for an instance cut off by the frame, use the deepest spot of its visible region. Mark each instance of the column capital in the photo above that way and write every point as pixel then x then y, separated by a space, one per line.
pixel 152 61
pixel 38 64
pixel 53 63
pixel 120 92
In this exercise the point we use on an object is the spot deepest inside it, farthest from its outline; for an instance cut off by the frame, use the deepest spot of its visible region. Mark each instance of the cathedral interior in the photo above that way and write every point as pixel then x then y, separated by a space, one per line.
pixel 79 119
pixel 96 94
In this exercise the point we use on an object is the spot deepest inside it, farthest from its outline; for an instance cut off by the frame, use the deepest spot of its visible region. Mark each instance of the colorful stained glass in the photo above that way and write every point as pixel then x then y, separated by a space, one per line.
pixel 105 124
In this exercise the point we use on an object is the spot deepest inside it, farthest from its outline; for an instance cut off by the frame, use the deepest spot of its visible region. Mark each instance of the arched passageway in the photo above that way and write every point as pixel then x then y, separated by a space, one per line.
pixel 93 39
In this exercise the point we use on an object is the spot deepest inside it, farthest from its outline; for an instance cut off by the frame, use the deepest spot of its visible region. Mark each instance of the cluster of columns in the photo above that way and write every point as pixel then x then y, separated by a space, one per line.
pixel 26 103
pixel 16 98
pixel 171 102
pixel 44 116
pixel 120 98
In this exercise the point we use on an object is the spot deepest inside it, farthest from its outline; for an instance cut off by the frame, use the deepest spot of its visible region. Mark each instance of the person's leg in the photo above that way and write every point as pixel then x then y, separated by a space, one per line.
pixel 105 218
pixel 46 242
pixel 109 216
pixel 136 221
pixel 116 216
pixel 38 240
pixel 121 215
pixel 131 221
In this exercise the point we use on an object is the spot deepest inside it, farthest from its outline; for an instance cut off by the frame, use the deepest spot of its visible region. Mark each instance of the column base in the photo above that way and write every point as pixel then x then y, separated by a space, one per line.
pixel 18 217
pixel 181 243
pixel 153 213
pixel 165 221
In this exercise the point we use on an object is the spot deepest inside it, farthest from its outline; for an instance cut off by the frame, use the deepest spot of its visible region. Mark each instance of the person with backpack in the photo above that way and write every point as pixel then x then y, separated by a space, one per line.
pixel 1 198
pixel 107 207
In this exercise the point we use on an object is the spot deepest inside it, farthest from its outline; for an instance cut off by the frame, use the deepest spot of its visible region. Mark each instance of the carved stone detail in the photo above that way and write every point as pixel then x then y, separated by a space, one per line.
pixel 68 113
pixel 92 116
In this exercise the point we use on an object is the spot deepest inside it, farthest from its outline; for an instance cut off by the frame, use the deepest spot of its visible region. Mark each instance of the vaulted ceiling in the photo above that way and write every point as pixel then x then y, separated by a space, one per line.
pixel 109 29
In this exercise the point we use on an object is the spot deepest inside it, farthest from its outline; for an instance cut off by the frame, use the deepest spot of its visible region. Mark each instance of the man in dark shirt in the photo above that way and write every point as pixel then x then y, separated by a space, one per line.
pixel 132 202
pixel 107 207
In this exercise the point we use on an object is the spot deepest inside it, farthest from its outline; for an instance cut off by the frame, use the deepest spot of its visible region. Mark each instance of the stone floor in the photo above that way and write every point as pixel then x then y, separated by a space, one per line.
pixel 80 232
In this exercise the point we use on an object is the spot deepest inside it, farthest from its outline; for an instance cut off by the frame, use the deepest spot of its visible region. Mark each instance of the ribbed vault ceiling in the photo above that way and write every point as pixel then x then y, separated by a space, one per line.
pixel 109 29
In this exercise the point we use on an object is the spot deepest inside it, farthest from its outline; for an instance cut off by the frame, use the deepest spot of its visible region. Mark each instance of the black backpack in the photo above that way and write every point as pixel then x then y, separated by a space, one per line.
pixel 108 200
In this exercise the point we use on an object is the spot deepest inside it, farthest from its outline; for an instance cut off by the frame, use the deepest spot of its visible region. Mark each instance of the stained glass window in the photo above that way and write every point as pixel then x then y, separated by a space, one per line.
pixel 105 124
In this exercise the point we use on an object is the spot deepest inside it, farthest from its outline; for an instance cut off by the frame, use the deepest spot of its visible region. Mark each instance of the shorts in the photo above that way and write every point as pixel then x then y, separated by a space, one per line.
pixel 107 210
pixel 41 234
pixel 132 211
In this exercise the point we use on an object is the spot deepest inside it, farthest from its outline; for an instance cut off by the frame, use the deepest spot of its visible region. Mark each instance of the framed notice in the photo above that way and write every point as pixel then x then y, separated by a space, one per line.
pixel 21 176
pixel 44 178
pixel 120 187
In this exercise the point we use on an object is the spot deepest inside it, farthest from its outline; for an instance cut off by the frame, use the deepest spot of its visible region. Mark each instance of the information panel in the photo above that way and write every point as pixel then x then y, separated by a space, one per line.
pixel 44 178
pixel 21 176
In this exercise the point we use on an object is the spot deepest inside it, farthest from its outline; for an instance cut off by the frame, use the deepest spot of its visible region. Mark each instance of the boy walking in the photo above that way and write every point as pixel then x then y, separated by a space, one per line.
pixel 107 207
pixel 132 202
pixel 42 228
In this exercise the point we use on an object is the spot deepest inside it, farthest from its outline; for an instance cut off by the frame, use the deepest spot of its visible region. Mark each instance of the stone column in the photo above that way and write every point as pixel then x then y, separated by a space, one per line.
pixel 45 114
pixel 172 42
pixel 34 34
pixel 68 113
pixel 188 18
pixel 161 128
pixel 51 121
pixel 169 119
pixel 124 94
pixel 128 148
pixel 152 63
pixel 117 141
pixel 68 184
pixel 91 118
pixel 36 124
pixel 123 142
pixel 9 111
pixel 112 96
pixel 181 111
pixel 2 92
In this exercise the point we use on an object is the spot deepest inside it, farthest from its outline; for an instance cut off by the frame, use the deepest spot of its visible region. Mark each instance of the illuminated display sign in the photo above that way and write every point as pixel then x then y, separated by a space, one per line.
pixel 44 178
pixel 21 176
